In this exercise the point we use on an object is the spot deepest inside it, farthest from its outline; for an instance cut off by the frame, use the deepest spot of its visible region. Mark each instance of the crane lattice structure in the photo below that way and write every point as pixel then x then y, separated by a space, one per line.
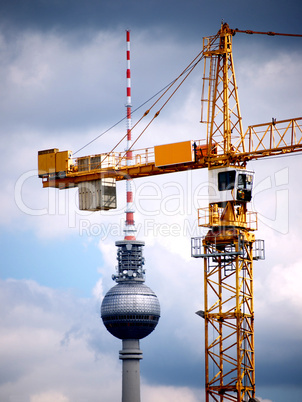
pixel 229 247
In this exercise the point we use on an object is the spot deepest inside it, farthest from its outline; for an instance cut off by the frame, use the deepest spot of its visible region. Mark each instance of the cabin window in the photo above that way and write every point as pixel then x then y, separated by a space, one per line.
pixel 245 181
pixel 226 180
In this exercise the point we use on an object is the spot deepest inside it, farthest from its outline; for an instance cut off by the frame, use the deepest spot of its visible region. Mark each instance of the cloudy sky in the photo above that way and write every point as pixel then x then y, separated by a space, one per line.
pixel 62 83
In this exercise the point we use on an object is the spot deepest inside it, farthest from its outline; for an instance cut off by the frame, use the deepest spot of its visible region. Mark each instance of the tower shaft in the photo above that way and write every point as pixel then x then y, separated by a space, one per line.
pixel 131 356
pixel 130 311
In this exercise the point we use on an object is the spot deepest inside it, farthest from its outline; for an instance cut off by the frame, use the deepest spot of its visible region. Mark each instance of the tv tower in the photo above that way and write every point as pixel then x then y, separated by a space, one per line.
pixel 130 310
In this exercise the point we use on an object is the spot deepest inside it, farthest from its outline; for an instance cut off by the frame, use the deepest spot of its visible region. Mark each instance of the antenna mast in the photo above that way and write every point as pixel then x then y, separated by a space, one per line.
pixel 129 224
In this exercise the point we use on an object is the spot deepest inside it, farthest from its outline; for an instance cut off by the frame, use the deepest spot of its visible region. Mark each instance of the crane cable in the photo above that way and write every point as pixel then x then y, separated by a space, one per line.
pixel 117 123
pixel 166 88
pixel 187 70
pixel 156 114
pixel 234 31
pixel 165 103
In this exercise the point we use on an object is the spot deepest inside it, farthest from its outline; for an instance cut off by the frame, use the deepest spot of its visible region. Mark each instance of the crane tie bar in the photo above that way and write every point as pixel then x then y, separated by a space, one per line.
pixel 270 33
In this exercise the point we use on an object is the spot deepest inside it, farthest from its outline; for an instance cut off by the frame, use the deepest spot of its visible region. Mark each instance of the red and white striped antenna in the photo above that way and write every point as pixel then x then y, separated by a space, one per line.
pixel 129 224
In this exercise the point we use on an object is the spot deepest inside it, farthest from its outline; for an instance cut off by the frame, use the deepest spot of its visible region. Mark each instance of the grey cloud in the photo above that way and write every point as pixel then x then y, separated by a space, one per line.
pixel 184 19
pixel 52 85
pixel 54 82
pixel 48 82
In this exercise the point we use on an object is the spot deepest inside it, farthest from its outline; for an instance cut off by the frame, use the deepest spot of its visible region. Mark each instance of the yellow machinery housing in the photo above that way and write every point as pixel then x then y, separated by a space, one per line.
pixel 54 163
pixel 174 154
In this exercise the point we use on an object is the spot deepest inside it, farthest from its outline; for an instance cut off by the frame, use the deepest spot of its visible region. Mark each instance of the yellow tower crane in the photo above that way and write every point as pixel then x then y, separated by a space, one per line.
pixel 229 247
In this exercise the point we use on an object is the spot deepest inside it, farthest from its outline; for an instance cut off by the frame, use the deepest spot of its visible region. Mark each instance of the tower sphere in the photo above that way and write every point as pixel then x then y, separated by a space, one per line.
pixel 130 310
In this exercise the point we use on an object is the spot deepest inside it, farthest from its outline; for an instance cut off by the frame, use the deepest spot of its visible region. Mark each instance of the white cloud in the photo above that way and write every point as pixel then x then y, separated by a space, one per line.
pixel 285 284
pixel 277 288
pixel 47 347
pixel 164 394
pixel 54 345
pixel 50 396
pixel 268 83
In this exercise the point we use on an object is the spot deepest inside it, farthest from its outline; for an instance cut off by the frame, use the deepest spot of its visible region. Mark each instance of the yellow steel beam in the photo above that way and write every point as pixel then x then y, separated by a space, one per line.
pixel 259 141
pixel 122 173
pixel 229 317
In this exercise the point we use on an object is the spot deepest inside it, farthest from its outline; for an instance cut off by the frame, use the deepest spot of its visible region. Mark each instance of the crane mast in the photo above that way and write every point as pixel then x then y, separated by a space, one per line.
pixel 229 248
pixel 220 95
